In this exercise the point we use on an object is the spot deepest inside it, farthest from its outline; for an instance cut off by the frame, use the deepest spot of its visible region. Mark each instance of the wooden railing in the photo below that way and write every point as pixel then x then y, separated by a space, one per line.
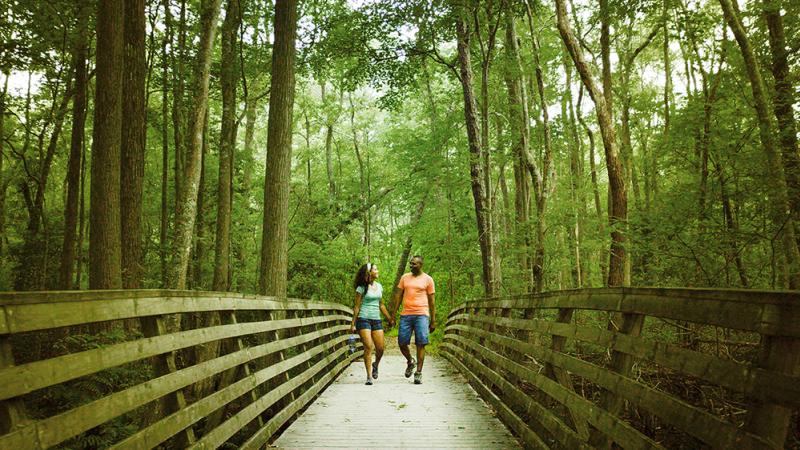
pixel 138 369
pixel 640 368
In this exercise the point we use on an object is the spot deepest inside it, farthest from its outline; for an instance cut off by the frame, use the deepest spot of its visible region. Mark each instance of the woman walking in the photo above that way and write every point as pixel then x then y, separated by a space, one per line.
pixel 367 317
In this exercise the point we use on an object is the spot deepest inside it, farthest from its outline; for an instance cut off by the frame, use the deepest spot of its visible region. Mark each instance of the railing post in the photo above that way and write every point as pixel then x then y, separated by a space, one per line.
pixel 165 364
pixel 562 377
pixel 276 358
pixel 621 363
pixel 227 378
pixel 12 411
pixel 770 421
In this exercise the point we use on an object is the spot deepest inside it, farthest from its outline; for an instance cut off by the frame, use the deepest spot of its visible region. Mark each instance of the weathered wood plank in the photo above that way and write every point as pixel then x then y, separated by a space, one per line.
pixel 477 372
pixel 29 297
pixel 56 429
pixel 3 321
pixel 530 438
pixel 228 428
pixel 12 412
pixel 622 433
pixel 171 425
pixel 557 344
pixel 444 411
pixel 621 363
pixel 227 377
pixel 770 386
pixel 22 379
pixel 263 435
pixel 164 365
pixel 698 423
pixel 770 420
pixel 33 312
pixel 771 313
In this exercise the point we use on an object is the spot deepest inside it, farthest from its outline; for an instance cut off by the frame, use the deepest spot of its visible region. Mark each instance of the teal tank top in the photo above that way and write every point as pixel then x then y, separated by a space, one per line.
pixel 370 302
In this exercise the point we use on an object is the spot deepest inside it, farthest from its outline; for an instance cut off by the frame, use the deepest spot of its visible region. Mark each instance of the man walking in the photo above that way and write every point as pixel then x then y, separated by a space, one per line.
pixel 419 314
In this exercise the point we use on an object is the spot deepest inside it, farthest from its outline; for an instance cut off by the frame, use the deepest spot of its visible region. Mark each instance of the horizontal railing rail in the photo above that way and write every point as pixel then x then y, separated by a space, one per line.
pixel 138 369
pixel 635 367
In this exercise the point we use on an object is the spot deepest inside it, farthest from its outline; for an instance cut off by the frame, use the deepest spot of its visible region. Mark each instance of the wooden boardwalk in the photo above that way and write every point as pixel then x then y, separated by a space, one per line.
pixel 443 412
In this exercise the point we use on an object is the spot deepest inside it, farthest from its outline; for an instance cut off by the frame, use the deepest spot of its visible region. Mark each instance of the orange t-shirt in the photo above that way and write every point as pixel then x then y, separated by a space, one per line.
pixel 415 293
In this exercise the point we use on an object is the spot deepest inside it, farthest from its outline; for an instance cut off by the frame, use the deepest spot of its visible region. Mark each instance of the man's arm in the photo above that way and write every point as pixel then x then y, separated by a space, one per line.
pixel 432 311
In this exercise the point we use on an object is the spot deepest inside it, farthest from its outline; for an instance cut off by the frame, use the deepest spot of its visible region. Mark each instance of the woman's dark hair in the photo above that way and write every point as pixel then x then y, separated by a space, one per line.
pixel 362 276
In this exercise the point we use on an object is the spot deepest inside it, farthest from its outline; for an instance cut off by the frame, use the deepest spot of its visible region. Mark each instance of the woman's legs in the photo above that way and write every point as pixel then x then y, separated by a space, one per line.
pixel 377 338
pixel 366 339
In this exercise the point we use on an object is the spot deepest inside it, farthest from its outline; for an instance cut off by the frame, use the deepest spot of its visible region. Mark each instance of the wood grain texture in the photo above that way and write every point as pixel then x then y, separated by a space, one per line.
pixel 443 412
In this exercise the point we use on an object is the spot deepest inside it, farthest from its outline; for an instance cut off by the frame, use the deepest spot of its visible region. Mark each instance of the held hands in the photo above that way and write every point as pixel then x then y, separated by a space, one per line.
pixel 432 326
pixel 352 328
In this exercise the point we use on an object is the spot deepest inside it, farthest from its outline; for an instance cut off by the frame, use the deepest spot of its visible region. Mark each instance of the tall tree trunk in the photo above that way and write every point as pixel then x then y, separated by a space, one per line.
pixel 105 271
pixel 667 100
pixel 437 145
pixel 274 243
pixel 704 142
pixel 81 220
pixel 404 255
pixel 618 201
pixel 361 175
pixel 732 227
pixel 595 188
pixel 178 104
pixel 133 143
pixel 476 151
pixel 187 204
pixel 576 227
pixel 487 58
pixel 779 202
pixel 770 421
pixel 164 225
pixel 199 253
pixel 229 79
pixel 625 88
pixel 76 147
pixel 329 122
pixel 783 103
pixel 31 271
pixel 3 183
pixel 249 133
pixel 307 136
pixel 618 212
pixel 541 189
pixel 519 119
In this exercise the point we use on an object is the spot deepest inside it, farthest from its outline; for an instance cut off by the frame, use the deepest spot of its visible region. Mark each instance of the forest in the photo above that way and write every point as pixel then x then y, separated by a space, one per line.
pixel 517 145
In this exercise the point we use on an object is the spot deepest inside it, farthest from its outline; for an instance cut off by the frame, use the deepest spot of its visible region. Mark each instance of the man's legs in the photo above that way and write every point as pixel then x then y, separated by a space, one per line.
pixel 404 350
pixel 420 357
pixel 420 340
pixel 404 339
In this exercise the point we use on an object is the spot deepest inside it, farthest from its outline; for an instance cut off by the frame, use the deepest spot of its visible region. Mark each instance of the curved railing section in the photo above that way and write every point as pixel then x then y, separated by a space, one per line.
pixel 138 369
pixel 636 368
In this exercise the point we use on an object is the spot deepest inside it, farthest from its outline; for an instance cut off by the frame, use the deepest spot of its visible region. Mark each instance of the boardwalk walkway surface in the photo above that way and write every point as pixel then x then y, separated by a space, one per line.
pixel 443 412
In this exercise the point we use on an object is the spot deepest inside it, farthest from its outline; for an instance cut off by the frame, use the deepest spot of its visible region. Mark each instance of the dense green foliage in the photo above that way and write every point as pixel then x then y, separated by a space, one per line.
pixel 390 90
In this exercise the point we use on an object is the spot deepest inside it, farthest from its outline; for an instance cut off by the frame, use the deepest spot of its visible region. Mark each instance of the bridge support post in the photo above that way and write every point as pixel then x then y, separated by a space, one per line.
pixel 228 377
pixel 165 364
pixel 621 363
pixel 562 377
pixel 12 412
pixel 770 421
